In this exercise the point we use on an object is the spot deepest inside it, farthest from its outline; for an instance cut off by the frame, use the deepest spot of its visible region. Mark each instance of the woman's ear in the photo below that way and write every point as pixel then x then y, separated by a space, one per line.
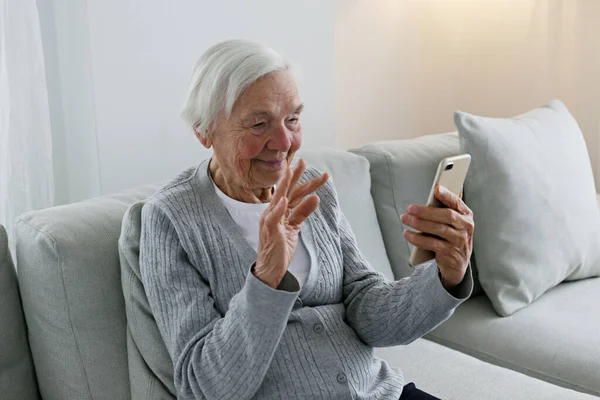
pixel 204 139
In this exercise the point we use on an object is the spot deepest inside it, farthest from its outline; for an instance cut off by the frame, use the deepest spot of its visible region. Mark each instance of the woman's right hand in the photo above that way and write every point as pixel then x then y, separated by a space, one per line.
pixel 280 224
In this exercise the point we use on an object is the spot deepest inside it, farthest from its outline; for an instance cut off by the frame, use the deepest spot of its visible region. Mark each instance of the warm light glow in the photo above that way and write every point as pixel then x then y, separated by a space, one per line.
pixel 417 61
pixel 477 25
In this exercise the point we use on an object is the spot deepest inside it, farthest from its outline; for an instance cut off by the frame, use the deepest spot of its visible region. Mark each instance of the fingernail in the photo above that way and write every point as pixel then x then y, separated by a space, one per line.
pixel 406 233
pixel 404 218
pixel 412 209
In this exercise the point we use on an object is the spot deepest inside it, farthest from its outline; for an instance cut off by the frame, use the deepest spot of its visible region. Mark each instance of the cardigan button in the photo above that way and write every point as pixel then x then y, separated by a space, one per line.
pixel 318 328
pixel 341 378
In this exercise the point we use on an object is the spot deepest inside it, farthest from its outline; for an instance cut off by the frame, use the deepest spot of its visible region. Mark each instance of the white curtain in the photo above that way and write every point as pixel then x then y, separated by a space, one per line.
pixel 26 177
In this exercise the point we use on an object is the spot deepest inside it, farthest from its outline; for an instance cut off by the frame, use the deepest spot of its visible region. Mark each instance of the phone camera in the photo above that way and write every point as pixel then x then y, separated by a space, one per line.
pixel 449 167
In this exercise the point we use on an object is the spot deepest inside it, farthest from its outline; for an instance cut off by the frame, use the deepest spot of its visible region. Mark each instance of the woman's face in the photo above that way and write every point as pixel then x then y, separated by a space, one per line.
pixel 256 144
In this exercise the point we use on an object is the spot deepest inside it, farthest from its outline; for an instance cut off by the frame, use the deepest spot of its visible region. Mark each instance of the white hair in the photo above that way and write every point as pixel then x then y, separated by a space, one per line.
pixel 221 75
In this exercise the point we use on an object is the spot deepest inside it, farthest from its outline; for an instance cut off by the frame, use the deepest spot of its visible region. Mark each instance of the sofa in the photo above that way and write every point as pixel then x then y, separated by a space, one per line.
pixel 90 335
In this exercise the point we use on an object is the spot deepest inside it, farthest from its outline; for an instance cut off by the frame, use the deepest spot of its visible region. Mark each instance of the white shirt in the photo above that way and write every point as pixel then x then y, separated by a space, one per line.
pixel 247 217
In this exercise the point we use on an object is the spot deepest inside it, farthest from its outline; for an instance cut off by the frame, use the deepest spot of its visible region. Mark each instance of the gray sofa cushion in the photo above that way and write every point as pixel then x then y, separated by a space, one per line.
pixel 449 374
pixel 70 280
pixel 402 172
pixel 556 339
pixel 151 369
pixel 17 377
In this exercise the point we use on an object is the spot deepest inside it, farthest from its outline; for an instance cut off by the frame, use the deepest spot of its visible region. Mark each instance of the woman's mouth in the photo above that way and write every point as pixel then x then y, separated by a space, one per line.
pixel 273 163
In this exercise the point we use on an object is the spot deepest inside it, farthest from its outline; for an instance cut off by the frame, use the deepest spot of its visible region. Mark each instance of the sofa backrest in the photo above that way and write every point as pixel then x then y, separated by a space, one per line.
pixel 69 275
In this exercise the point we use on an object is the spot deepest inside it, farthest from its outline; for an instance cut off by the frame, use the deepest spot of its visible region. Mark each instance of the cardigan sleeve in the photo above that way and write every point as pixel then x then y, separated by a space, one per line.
pixel 387 313
pixel 215 356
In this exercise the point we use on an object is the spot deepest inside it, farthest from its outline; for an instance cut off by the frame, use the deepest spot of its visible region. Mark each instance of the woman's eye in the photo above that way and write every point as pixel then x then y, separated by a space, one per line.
pixel 293 120
pixel 258 125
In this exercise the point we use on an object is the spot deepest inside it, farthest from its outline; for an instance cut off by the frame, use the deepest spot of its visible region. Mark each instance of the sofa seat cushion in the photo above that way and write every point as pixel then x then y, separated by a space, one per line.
pixel 17 377
pixel 449 374
pixel 556 339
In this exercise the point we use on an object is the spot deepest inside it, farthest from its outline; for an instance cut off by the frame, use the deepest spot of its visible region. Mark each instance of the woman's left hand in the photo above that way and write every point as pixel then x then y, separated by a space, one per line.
pixel 452 228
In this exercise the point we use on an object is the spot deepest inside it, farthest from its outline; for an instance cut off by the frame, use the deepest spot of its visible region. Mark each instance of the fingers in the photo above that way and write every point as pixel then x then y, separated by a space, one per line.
pixel 425 242
pixel 273 216
pixel 438 215
pixel 299 206
pixel 451 200
pixel 443 250
pixel 451 260
pixel 306 207
pixel 460 217
pixel 299 192
pixel 282 187
pixel 444 231
pixel 298 171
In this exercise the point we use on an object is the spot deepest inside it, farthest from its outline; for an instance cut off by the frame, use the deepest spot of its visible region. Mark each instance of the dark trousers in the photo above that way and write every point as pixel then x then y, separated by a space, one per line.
pixel 410 392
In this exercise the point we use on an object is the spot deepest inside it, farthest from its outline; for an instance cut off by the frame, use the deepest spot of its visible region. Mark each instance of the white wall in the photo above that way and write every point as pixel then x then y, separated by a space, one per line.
pixel 142 54
pixel 403 67
pixel 119 71
pixel 381 69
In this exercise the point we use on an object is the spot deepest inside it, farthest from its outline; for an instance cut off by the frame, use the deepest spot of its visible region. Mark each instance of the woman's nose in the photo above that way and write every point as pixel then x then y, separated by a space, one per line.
pixel 281 139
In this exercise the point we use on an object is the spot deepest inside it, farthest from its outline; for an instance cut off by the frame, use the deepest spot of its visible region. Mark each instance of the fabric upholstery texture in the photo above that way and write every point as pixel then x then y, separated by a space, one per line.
pixel 555 338
pixel 17 376
pixel 70 279
pixel 150 365
pixel 533 197
pixel 402 172
pixel 451 375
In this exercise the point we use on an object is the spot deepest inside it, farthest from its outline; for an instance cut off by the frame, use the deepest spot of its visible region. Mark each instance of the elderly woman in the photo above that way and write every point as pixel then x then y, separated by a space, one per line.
pixel 251 269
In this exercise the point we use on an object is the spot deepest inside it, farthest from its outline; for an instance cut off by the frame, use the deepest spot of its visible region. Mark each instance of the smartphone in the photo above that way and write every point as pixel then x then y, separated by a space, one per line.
pixel 451 174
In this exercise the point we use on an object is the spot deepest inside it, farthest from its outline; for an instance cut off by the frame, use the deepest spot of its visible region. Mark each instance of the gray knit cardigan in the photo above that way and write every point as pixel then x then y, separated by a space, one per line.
pixel 232 337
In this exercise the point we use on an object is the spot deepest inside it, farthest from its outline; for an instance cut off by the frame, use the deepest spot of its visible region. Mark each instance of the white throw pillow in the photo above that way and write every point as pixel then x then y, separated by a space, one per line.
pixel 532 193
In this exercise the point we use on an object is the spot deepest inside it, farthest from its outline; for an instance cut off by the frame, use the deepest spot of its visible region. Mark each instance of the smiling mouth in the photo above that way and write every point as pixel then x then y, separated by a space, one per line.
pixel 273 163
